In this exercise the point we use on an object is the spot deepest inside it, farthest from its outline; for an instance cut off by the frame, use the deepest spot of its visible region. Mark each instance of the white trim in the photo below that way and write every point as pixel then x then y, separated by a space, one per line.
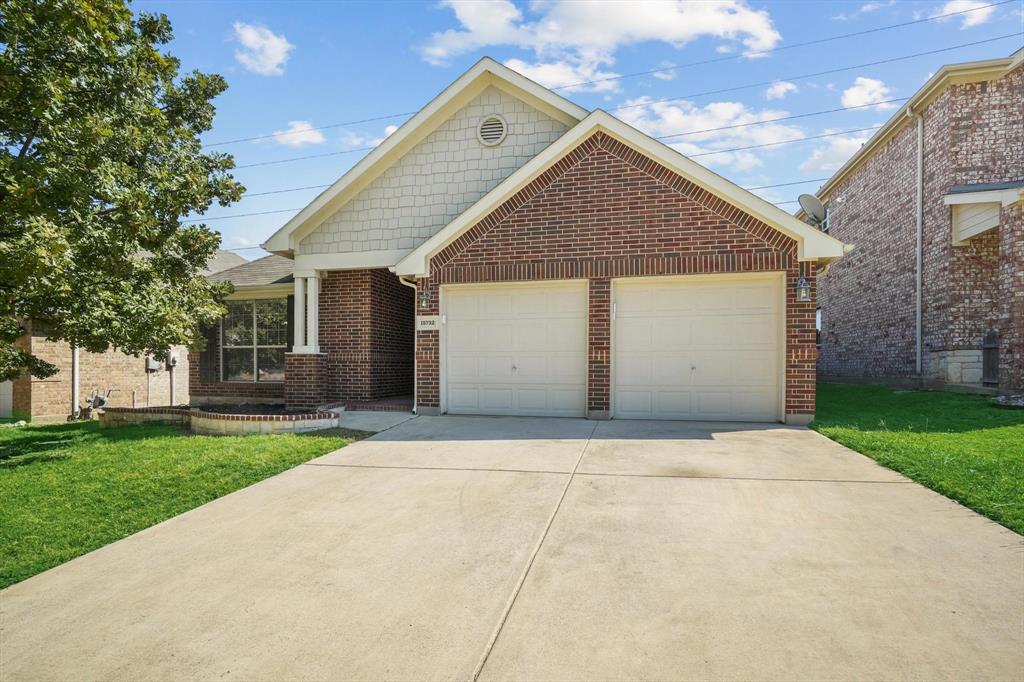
pixel 950 74
pixel 1005 197
pixel 484 73
pixel 767 275
pixel 812 244
pixel 349 261
pixel 299 314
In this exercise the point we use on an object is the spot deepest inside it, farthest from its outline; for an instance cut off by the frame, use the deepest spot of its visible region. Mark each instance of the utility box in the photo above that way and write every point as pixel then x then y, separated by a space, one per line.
pixel 153 365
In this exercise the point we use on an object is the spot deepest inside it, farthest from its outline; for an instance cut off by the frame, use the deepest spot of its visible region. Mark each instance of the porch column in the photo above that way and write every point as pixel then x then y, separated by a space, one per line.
pixel 299 323
pixel 307 312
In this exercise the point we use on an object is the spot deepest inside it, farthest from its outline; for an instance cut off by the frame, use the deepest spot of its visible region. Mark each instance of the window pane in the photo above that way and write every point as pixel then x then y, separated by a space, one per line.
pixel 271 364
pixel 238 324
pixel 272 322
pixel 238 364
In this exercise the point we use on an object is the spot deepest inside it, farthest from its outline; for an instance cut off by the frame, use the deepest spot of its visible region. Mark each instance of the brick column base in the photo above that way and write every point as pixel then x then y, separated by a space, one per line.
pixel 305 381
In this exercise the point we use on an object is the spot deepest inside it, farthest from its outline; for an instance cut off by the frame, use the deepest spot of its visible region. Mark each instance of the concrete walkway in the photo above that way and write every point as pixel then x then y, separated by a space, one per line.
pixel 454 548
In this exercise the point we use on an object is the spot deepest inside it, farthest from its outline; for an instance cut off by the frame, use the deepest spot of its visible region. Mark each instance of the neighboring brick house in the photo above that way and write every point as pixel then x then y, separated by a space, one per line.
pixel 965 127
pixel 508 252
pixel 126 376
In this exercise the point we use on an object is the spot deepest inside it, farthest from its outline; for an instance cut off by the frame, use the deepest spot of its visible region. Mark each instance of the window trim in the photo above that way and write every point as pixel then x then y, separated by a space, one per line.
pixel 255 346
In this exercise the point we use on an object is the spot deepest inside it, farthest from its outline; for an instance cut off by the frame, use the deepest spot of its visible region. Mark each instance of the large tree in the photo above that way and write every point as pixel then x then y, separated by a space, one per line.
pixel 101 159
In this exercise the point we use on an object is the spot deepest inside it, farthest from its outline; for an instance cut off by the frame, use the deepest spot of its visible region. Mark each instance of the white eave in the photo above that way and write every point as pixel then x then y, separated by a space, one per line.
pixel 812 244
pixel 950 74
pixel 483 74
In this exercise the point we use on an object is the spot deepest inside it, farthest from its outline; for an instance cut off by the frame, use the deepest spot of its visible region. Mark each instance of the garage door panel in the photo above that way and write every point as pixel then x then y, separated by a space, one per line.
pixel 697 349
pixel 527 343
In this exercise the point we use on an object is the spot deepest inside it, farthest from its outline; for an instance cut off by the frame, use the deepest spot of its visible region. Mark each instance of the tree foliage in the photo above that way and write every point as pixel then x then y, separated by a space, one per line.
pixel 101 159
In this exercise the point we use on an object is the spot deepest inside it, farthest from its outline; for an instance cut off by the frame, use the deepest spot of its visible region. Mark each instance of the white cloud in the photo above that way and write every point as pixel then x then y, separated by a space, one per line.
pixel 263 51
pixel 866 8
pixel 780 89
pixel 351 140
pixel 975 18
pixel 667 72
pixel 298 134
pixel 668 118
pixel 833 154
pixel 571 38
pixel 867 91
pixel 578 76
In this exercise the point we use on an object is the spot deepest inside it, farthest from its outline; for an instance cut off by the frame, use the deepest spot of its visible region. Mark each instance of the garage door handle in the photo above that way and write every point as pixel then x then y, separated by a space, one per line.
pixel 514 368
pixel 693 367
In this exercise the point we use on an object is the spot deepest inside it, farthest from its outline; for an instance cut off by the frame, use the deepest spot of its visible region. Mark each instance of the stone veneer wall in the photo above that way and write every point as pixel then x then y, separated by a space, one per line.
pixel 210 423
pixel 973 133
pixel 605 211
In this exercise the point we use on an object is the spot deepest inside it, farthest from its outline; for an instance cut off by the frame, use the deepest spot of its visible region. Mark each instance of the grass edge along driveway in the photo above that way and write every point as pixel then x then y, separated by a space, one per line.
pixel 959 445
pixel 68 489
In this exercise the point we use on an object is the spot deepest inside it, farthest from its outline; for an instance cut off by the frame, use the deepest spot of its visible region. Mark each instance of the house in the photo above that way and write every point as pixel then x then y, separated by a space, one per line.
pixel 506 252
pixel 131 381
pixel 934 293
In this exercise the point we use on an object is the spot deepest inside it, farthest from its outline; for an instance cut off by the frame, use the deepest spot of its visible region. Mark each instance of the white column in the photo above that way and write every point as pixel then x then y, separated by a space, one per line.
pixel 299 323
pixel 313 313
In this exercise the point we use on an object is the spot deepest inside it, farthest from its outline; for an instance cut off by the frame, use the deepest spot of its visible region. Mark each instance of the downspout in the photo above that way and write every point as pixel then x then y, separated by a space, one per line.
pixel 919 251
pixel 74 383
pixel 415 381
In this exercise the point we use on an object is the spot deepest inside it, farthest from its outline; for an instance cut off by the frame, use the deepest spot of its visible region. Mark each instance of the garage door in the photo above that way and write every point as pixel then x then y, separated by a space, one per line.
pixel 697 348
pixel 516 349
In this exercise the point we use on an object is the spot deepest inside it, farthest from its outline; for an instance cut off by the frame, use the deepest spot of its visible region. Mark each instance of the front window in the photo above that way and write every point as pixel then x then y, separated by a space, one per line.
pixel 254 337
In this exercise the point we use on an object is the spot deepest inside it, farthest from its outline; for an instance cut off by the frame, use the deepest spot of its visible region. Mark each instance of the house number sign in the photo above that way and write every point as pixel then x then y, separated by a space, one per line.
pixel 428 322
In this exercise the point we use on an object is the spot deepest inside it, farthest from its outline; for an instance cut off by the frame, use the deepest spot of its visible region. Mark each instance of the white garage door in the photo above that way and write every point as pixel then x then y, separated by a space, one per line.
pixel 516 349
pixel 698 348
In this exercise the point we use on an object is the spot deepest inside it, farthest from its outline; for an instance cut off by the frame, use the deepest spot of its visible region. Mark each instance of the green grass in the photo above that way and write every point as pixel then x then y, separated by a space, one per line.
pixel 959 445
pixel 68 489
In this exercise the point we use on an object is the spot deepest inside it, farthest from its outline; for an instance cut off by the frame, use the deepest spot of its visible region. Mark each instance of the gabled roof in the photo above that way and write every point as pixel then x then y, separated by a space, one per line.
pixel 261 272
pixel 484 73
pixel 950 74
pixel 812 243
pixel 222 260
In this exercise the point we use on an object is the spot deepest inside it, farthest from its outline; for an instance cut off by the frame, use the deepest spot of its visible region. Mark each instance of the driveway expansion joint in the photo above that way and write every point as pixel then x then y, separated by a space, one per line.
pixel 529 563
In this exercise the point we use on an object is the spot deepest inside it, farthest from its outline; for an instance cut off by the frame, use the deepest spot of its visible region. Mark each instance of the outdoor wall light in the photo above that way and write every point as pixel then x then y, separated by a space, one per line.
pixel 424 299
pixel 803 290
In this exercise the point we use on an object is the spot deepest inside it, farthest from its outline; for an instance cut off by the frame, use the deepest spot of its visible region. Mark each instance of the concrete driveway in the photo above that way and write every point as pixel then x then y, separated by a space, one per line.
pixel 448 548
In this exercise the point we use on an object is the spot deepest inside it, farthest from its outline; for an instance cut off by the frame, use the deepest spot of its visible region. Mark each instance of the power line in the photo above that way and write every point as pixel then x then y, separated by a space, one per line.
pixel 662 137
pixel 818 41
pixel 715 60
pixel 706 93
pixel 773 144
pixel 817 73
pixel 700 154
pixel 787 184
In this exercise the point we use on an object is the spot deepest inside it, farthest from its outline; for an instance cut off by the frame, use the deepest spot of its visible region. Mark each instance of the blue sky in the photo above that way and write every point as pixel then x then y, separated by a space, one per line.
pixel 299 65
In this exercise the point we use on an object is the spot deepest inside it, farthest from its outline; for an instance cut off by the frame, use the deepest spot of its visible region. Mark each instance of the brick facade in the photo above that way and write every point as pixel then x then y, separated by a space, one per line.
pixel 366 333
pixel 50 399
pixel 606 211
pixel 973 133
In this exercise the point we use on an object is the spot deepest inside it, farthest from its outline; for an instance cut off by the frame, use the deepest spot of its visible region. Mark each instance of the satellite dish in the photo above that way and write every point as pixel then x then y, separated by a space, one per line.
pixel 812 207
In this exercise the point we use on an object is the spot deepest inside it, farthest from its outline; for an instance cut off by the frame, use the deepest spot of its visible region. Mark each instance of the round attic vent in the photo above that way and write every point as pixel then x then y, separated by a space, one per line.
pixel 492 130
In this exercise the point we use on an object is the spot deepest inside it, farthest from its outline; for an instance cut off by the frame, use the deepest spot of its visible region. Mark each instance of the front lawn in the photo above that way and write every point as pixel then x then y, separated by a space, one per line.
pixel 959 445
pixel 67 489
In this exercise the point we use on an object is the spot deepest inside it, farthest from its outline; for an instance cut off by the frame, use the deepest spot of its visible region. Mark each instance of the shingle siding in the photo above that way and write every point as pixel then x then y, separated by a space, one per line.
pixel 442 176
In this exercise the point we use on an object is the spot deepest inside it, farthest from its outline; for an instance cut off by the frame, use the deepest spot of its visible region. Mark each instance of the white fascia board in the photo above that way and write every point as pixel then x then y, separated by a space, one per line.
pixel 812 244
pixel 482 74
pixel 357 260
pixel 1005 197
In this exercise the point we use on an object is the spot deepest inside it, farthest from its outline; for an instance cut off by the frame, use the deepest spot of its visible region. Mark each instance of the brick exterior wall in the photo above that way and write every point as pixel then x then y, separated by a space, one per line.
pixel 973 133
pixel 306 380
pixel 606 211
pixel 49 399
pixel 366 332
